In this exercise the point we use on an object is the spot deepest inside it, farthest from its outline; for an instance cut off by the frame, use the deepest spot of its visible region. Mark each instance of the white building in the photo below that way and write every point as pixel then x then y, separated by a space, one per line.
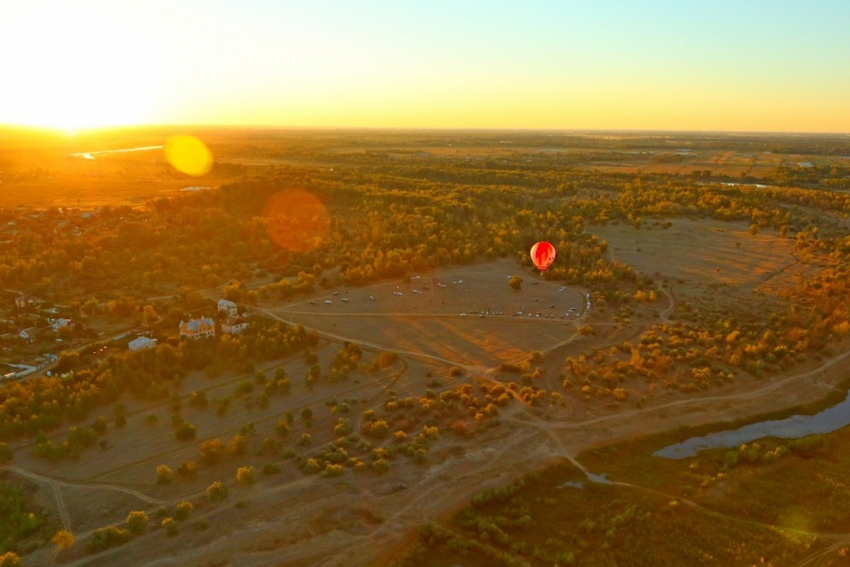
pixel 57 324
pixel 228 307
pixel 141 343
pixel 234 325
pixel 197 328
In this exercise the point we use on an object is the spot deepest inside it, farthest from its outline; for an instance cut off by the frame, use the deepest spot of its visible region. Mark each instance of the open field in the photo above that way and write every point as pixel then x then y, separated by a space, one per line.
pixel 472 321
pixel 704 251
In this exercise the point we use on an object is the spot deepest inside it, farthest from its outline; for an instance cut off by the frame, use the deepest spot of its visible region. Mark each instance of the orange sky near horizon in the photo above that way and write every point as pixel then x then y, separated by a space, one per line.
pixel 654 65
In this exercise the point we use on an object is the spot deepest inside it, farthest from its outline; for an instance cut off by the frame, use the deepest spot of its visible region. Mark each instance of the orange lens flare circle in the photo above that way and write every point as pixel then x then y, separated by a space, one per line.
pixel 188 155
pixel 296 220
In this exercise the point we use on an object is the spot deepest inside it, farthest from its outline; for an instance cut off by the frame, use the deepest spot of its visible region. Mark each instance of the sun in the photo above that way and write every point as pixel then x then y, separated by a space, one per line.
pixel 73 67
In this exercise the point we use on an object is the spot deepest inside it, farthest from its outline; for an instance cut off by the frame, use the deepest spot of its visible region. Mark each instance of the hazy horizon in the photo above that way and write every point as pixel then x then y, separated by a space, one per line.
pixel 624 66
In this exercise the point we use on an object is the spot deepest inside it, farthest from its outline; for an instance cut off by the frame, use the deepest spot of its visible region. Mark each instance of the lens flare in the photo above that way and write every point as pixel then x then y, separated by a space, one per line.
pixel 188 155
pixel 296 220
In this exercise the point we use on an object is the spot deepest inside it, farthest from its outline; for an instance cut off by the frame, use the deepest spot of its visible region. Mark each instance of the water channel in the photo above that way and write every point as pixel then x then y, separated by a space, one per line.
pixel 829 420
pixel 90 155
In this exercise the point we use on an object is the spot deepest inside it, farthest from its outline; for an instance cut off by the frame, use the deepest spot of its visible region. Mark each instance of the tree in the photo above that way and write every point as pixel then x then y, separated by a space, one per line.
pixel 171 527
pixel 515 282
pixel 307 416
pixel 217 491
pixel 185 431
pixel 5 453
pixel 237 446
pixel 149 315
pixel 137 522
pixel 187 469
pixel 183 510
pixel 305 439
pixel 164 474
pixel 212 451
pixel 246 475
pixel 63 540
pixel 10 559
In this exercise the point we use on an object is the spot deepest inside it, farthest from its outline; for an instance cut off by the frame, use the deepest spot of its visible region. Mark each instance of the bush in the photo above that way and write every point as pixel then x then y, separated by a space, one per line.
pixel 164 474
pixel 10 559
pixel 282 427
pixel 212 451
pixel 187 469
pixel 183 510
pixel 137 522
pixel 217 491
pixel 246 475
pixel 333 470
pixel 381 466
pixel 236 446
pixel 186 431
pixel 107 538
pixel 305 439
pixel 312 466
pixel 171 526
pixel 63 540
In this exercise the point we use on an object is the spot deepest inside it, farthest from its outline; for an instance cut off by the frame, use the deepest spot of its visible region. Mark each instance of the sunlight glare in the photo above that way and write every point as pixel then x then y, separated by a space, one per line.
pixel 72 67
pixel 188 155
pixel 296 220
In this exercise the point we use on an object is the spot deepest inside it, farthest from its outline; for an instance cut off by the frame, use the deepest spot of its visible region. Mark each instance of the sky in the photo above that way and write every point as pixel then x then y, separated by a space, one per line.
pixel 562 64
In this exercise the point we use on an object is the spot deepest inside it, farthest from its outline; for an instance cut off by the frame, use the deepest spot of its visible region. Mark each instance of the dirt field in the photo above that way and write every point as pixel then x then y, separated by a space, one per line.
pixel 472 321
pixel 703 251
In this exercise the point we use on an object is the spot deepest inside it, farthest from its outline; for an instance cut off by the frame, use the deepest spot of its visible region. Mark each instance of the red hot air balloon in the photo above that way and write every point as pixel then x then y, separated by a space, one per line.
pixel 542 254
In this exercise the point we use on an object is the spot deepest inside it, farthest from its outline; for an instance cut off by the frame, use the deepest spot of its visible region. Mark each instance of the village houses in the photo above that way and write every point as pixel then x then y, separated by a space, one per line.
pixel 197 328
pixel 228 307
pixel 141 343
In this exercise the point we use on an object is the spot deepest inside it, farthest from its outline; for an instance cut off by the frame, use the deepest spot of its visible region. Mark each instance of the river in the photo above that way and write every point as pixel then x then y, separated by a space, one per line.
pixel 794 427
pixel 90 155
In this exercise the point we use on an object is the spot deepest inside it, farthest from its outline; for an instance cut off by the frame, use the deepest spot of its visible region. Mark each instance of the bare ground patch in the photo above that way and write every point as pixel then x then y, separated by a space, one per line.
pixel 703 251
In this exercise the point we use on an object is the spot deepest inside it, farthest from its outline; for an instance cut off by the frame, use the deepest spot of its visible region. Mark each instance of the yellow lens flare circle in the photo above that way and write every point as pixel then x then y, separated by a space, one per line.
pixel 296 220
pixel 188 155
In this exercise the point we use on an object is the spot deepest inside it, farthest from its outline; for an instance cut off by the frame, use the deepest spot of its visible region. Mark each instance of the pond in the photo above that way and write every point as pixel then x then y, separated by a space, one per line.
pixel 794 427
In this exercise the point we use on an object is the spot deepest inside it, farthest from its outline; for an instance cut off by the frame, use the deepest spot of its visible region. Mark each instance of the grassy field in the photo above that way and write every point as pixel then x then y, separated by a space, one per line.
pixel 771 502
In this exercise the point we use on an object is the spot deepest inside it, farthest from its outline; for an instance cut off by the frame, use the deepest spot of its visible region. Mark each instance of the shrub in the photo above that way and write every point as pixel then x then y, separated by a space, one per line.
pixel 137 522
pixel 183 510
pixel 333 470
pixel 185 431
pixel 212 451
pixel 106 538
pixel 187 469
pixel 217 491
pixel 282 427
pixel 312 466
pixel 164 474
pixel 305 439
pixel 171 526
pixel 236 446
pixel 63 540
pixel 246 475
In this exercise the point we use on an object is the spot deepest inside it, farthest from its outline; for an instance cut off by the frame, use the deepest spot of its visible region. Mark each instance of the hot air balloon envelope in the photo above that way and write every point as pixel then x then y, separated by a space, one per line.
pixel 542 254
